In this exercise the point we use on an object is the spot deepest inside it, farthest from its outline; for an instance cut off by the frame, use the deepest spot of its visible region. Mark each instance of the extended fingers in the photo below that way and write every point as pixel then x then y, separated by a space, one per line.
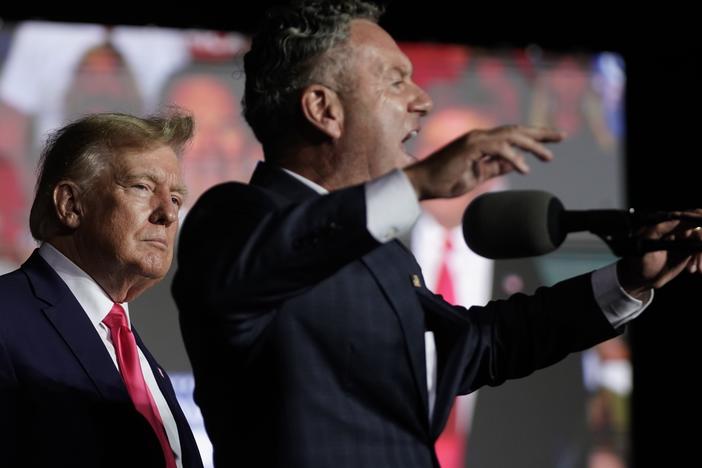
pixel 528 143
pixel 495 152
pixel 528 138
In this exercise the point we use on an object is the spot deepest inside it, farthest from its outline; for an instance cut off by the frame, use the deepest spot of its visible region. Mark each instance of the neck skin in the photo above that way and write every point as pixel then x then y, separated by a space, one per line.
pixel 120 286
pixel 326 163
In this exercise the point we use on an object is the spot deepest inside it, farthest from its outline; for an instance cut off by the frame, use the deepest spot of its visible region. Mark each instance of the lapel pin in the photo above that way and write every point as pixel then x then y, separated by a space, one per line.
pixel 416 282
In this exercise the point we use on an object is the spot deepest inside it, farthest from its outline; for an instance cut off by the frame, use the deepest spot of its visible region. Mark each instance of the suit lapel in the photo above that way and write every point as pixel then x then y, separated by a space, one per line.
pixel 454 344
pixel 397 285
pixel 163 381
pixel 159 373
pixel 71 322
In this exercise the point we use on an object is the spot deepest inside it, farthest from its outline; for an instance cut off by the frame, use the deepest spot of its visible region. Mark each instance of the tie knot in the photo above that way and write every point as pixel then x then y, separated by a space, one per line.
pixel 116 318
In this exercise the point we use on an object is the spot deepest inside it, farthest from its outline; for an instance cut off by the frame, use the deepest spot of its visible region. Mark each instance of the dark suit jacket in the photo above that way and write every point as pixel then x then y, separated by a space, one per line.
pixel 306 335
pixel 62 400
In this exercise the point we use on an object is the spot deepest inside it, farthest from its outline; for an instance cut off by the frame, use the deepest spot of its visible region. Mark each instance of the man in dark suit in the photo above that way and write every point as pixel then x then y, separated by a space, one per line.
pixel 78 388
pixel 313 338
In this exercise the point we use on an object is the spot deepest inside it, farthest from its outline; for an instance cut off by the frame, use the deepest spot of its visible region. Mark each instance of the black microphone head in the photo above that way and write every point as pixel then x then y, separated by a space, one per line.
pixel 514 224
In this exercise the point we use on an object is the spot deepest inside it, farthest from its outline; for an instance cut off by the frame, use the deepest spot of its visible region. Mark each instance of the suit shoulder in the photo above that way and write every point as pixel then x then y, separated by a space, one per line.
pixel 17 297
pixel 11 283
pixel 230 192
pixel 223 210
pixel 230 197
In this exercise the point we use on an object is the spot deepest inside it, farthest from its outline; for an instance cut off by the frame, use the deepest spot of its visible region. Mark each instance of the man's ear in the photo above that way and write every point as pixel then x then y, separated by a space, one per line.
pixel 67 203
pixel 322 108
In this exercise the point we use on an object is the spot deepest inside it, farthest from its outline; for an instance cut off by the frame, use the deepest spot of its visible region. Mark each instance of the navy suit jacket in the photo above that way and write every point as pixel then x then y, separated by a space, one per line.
pixel 306 335
pixel 62 400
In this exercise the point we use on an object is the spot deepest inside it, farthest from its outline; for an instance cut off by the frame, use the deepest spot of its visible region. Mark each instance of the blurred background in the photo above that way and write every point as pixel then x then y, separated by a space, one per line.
pixel 624 85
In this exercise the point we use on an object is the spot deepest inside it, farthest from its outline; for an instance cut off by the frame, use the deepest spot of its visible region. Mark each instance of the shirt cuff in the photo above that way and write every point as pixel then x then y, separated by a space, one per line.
pixel 392 207
pixel 618 306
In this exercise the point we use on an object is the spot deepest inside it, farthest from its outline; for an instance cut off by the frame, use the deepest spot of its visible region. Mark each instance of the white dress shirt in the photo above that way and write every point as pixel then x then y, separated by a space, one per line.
pixel 97 304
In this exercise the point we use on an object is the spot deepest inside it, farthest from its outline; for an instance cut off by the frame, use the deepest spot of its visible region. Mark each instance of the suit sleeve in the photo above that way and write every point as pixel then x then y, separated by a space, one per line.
pixel 509 339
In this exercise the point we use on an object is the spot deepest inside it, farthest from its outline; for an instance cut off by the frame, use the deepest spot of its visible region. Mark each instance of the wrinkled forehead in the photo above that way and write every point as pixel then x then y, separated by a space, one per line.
pixel 160 164
pixel 372 43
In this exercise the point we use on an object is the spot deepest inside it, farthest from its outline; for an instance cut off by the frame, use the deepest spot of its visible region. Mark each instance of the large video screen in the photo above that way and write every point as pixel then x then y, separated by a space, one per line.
pixel 570 415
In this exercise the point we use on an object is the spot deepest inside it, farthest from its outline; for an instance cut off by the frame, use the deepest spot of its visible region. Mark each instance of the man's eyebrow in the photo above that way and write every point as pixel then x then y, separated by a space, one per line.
pixel 404 70
pixel 154 177
pixel 180 189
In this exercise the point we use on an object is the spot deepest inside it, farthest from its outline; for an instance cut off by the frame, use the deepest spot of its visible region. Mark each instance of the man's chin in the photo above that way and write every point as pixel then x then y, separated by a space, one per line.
pixel 154 269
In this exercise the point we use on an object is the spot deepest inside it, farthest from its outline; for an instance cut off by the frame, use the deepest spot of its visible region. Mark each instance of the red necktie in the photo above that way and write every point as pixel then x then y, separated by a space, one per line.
pixel 451 444
pixel 444 283
pixel 128 361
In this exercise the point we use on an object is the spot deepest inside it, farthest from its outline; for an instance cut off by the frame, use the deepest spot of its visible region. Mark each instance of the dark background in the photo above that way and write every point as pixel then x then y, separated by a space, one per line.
pixel 663 53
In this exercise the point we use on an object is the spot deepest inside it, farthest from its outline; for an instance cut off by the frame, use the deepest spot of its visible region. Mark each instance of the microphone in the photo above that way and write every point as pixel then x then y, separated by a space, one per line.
pixel 525 223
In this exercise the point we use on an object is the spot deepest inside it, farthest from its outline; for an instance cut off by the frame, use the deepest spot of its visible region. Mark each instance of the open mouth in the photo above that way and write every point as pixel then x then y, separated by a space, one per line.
pixel 410 135
pixel 413 133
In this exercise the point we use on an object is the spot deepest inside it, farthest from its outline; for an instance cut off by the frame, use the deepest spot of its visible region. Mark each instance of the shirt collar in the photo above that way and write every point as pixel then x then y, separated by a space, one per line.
pixel 91 297
pixel 314 186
